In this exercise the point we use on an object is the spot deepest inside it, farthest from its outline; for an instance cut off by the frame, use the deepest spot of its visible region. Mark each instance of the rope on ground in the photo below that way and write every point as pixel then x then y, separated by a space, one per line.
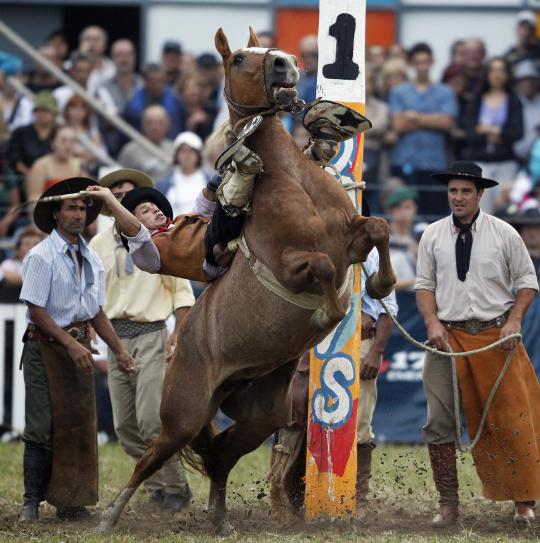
pixel 465 448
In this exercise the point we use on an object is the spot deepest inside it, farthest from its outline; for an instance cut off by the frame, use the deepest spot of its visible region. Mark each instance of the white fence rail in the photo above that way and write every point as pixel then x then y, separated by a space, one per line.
pixel 16 314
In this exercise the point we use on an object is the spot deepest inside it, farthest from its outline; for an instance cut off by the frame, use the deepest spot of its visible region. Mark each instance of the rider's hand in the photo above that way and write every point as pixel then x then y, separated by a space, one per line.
pixel 100 193
pixel 512 326
pixel 437 335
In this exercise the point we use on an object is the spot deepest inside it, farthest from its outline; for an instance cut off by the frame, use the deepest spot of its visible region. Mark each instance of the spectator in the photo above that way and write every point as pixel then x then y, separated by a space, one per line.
pixel 18 110
pixel 401 208
pixel 30 142
pixel 422 115
pixel 39 78
pixel 61 163
pixel 396 50
pixel 526 77
pixel 125 81
pixel 80 71
pixel 309 55
pixel 527 224
pixel 9 64
pixel 199 116
pixel 475 55
pixel 375 57
pixel 454 76
pixel 78 116
pixel 11 268
pixel 155 126
pixel 58 40
pixel 378 113
pixel 9 198
pixel 93 42
pixel 457 53
pixel 493 122
pixel 187 179
pixel 527 46
pixel 156 92
pixel 392 73
pixel 267 39
pixel 171 60
pixel 211 71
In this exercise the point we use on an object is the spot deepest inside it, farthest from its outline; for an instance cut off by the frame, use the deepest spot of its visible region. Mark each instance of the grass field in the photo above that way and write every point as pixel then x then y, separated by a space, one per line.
pixel 402 501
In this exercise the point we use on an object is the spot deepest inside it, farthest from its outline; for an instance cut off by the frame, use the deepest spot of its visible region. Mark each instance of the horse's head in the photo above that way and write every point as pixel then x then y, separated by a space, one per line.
pixel 257 79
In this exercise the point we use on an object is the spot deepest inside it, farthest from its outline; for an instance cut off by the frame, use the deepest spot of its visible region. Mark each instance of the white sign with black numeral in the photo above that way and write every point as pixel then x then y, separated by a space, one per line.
pixel 342 30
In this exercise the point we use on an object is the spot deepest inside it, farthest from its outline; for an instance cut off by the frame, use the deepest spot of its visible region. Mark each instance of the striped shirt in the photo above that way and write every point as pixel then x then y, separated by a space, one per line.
pixel 51 280
pixel 370 306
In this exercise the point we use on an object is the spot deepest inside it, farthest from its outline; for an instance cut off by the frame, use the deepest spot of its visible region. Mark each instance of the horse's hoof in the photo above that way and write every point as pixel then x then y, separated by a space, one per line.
pixel 224 529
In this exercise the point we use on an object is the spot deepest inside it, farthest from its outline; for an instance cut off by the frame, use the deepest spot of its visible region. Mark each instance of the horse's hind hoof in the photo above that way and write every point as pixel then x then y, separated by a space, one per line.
pixel 224 529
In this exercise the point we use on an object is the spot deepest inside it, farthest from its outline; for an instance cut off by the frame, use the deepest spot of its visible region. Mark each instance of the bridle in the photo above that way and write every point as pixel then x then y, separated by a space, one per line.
pixel 270 107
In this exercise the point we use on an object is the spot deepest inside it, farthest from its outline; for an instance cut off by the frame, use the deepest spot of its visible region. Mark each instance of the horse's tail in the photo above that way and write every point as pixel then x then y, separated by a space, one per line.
pixel 197 455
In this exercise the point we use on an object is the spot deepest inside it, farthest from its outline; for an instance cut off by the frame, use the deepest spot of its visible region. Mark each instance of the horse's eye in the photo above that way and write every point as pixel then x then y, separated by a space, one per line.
pixel 238 60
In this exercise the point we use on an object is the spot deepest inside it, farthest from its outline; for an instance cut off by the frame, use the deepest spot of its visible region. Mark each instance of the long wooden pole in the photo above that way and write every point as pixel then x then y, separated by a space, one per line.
pixel 335 364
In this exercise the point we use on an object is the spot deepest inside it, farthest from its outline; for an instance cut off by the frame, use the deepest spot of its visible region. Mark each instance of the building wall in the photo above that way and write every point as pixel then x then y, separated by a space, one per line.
pixel 195 26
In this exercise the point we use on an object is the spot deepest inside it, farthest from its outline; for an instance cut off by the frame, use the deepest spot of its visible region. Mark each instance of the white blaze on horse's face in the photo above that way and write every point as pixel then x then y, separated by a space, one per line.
pixel 281 69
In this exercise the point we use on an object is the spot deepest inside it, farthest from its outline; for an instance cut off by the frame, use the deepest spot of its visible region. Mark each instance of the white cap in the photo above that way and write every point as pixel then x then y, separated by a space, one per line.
pixel 526 69
pixel 190 139
pixel 526 16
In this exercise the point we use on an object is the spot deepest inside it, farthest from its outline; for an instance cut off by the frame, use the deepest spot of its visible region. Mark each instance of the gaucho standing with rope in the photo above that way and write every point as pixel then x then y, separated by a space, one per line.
pixel 475 281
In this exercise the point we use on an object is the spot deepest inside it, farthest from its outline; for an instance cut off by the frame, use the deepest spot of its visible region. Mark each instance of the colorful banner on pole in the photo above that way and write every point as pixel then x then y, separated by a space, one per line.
pixel 335 363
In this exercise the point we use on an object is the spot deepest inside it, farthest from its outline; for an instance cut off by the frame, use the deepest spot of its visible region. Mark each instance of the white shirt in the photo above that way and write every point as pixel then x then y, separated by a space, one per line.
pixel 184 190
pixel 500 265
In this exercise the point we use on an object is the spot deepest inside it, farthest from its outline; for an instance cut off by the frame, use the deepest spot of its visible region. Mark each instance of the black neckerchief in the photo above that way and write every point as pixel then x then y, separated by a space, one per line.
pixel 463 246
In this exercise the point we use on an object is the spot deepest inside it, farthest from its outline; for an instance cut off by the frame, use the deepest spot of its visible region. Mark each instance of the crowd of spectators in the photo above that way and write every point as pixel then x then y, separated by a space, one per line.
pixel 484 108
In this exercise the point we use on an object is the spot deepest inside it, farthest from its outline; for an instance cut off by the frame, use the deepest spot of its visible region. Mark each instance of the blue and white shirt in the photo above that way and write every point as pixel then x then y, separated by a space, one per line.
pixel 370 306
pixel 51 280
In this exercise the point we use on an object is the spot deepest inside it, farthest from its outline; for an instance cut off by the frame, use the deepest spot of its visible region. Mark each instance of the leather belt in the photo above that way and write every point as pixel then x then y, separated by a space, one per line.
pixel 475 326
pixel 77 330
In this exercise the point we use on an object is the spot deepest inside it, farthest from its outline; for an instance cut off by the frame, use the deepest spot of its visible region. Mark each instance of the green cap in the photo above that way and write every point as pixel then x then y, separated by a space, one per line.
pixel 45 100
pixel 400 194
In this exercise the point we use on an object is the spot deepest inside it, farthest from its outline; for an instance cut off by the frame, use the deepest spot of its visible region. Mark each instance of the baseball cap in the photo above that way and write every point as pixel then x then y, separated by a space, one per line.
pixel 189 138
pixel 399 195
pixel 45 100
pixel 526 69
pixel 207 60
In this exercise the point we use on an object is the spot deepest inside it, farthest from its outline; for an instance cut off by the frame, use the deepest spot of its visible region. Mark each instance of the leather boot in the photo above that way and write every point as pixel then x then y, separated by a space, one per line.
pixel 37 471
pixel 363 473
pixel 444 468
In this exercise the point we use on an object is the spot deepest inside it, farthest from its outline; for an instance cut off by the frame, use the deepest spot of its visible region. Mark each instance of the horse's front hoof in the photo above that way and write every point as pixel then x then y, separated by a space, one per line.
pixel 224 529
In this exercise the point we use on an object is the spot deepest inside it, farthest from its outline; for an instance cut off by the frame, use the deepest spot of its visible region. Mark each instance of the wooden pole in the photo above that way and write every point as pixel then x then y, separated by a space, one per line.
pixel 335 363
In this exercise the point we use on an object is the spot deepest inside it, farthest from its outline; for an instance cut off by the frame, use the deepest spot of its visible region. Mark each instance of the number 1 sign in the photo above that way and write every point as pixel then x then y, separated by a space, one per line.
pixel 334 364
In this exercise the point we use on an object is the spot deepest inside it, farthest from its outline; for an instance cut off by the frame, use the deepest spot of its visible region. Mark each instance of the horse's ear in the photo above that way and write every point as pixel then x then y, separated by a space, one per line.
pixel 222 44
pixel 253 39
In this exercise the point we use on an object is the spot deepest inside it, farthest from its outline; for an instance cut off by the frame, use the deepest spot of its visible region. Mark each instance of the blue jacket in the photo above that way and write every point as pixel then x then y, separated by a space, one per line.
pixel 173 104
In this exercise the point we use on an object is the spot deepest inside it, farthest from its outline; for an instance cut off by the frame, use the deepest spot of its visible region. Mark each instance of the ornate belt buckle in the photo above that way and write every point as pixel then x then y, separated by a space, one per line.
pixel 473 327
pixel 75 333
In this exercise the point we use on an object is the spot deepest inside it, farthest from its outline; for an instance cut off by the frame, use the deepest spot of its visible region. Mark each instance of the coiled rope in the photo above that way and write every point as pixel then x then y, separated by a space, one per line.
pixel 465 448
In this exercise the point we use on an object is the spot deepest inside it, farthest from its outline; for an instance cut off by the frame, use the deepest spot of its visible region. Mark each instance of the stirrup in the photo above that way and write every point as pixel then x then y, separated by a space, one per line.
pixel 224 160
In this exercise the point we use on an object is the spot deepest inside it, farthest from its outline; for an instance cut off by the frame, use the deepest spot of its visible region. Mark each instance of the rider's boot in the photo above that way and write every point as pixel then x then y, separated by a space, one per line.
pixel 235 191
pixel 444 468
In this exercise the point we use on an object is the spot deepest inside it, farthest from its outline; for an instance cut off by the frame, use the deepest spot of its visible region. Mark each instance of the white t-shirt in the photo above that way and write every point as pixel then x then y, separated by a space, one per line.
pixel 184 190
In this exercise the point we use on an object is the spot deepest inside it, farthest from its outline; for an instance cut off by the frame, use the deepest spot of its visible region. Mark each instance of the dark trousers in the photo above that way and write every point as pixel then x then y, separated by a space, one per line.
pixel 221 229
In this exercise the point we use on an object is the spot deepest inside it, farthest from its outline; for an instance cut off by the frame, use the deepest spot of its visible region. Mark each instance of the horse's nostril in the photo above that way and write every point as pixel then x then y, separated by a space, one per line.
pixel 280 64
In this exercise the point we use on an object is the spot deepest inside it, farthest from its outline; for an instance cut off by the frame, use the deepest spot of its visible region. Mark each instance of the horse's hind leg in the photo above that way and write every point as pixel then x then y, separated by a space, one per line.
pixel 261 408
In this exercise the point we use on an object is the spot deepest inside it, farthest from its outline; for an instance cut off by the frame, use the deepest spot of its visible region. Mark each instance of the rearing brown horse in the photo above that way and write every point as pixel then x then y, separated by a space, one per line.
pixel 240 344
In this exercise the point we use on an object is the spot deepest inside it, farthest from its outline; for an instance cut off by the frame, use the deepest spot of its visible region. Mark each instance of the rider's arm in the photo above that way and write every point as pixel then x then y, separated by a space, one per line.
pixel 144 251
